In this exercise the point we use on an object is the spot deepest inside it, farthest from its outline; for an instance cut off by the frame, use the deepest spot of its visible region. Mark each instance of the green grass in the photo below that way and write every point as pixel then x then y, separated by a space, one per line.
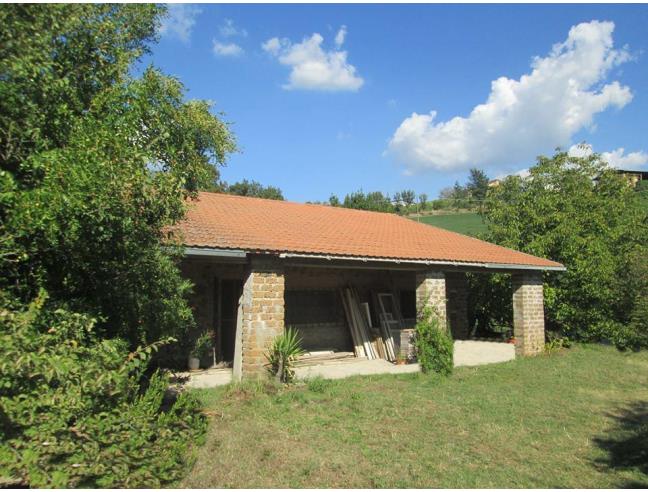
pixel 469 223
pixel 573 419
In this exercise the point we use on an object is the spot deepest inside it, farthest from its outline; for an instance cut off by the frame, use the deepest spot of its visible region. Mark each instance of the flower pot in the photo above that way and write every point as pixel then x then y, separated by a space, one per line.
pixel 194 363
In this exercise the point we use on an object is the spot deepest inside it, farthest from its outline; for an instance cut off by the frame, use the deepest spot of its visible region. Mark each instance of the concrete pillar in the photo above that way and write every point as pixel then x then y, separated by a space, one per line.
pixel 431 291
pixel 261 316
pixel 457 290
pixel 528 313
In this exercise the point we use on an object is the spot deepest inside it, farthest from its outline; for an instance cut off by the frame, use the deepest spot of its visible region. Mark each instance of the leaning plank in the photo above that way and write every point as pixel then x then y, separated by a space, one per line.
pixel 358 347
pixel 360 322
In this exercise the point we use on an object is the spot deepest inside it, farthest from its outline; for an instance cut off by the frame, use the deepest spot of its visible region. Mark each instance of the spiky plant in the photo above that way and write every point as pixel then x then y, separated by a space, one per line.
pixel 283 353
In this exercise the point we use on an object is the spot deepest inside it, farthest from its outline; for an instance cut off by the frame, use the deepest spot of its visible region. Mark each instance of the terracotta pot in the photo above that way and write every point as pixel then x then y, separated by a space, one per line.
pixel 194 363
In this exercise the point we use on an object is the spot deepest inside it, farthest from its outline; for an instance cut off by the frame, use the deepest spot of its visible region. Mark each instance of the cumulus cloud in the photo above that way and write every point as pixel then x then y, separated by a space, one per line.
pixel 616 158
pixel 227 49
pixel 180 21
pixel 314 68
pixel 229 29
pixel 522 118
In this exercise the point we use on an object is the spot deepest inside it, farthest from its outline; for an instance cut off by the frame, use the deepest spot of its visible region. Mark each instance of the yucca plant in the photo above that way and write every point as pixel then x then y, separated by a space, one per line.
pixel 283 353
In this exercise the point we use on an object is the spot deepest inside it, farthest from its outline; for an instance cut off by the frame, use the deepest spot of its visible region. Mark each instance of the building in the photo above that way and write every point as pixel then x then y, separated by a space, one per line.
pixel 260 265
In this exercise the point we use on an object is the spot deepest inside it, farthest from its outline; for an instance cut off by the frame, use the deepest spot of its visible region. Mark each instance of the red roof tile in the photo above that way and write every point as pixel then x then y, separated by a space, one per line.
pixel 253 224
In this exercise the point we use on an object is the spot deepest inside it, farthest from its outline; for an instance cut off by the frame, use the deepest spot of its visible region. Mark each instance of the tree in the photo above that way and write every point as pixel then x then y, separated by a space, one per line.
pixel 408 197
pixel 254 189
pixel 375 201
pixel 477 184
pixel 334 201
pixel 423 198
pixel 97 167
pixel 581 213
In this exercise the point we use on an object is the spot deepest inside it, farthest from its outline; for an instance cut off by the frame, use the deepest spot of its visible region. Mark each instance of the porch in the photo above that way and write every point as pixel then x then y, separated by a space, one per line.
pixel 245 300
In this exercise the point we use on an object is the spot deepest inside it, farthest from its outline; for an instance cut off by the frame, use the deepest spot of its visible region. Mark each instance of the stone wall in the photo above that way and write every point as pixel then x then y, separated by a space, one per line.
pixel 262 315
pixel 431 291
pixel 528 313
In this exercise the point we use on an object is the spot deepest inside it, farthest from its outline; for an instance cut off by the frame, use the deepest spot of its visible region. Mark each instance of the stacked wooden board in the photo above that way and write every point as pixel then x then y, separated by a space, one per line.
pixel 366 342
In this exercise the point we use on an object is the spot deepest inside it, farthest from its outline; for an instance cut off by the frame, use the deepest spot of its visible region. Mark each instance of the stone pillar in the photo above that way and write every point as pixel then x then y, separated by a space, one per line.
pixel 431 291
pixel 528 313
pixel 457 289
pixel 261 315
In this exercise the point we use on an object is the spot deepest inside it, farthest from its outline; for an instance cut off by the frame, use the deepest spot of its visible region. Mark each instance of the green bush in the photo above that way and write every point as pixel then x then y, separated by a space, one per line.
pixel 282 355
pixel 79 411
pixel 434 345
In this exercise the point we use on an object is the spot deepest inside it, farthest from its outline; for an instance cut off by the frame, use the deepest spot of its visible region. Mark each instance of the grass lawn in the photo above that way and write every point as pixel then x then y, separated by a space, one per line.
pixel 572 419
pixel 470 223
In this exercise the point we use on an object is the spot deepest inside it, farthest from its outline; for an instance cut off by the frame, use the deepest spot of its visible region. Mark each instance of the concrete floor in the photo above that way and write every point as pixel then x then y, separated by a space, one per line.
pixel 363 367
pixel 466 353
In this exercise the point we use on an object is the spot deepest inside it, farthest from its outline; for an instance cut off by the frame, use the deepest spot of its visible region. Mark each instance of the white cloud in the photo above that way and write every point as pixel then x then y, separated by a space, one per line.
pixel 227 49
pixel 313 68
pixel 340 36
pixel 229 29
pixel 616 158
pixel 180 21
pixel 526 117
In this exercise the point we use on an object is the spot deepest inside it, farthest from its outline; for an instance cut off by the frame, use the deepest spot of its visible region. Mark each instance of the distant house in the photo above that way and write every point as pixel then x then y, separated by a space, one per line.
pixel 260 265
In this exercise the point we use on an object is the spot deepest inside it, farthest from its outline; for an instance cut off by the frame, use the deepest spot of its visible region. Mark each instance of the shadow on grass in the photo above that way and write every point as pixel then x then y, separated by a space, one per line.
pixel 627 444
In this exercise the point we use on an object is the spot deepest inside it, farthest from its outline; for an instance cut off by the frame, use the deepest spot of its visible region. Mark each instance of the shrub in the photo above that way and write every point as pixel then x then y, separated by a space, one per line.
pixel 282 355
pixel 434 345
pixel 202 346
pixel 78 411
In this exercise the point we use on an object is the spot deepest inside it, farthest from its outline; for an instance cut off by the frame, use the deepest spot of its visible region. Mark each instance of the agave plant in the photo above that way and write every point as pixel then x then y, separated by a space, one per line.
pixel 283 353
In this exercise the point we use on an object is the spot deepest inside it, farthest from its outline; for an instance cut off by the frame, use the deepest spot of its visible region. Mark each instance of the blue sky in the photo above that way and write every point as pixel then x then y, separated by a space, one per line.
pixel 333 98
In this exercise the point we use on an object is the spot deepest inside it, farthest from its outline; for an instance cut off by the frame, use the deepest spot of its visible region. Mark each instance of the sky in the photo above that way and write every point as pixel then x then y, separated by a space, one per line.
pixel 335 98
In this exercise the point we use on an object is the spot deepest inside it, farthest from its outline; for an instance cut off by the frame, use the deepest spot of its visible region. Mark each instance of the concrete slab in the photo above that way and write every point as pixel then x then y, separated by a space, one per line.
pixel 363 367
pixel 477 353
pixel 207 378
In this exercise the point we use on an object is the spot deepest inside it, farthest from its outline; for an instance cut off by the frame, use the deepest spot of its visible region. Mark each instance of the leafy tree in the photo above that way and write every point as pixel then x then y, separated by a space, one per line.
pixel 477 184
pixel 254 189
pixel 581 213
pixel 423 198
pixel 408 197
pixel 96 169
pixel 334 201
pixel 375 201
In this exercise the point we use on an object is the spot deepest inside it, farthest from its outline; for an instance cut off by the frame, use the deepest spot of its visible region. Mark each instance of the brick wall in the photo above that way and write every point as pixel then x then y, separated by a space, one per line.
pixel 528 313
pixel 262 314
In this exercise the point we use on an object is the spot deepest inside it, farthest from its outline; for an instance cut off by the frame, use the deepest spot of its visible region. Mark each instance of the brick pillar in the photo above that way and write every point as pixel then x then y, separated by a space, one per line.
pixel 528 313
pixel 457 289
pixel 262 316
pixel 431 291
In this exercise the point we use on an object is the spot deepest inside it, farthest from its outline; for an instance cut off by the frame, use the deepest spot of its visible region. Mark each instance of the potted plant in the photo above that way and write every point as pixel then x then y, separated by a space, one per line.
pixel 201 347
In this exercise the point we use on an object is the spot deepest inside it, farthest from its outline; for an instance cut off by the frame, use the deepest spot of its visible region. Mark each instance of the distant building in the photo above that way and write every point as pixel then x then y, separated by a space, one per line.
pixel 634 177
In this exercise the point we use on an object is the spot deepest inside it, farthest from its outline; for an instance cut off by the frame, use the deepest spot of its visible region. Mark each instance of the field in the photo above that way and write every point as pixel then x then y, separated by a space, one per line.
pixel 469 223
pixel 577 418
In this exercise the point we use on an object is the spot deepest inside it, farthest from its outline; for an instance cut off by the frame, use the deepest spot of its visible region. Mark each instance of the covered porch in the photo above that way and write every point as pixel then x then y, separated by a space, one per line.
pixel 246 300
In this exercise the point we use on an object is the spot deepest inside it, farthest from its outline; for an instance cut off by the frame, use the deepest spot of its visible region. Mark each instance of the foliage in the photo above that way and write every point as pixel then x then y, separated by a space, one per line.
pixel 78 411
pixel 634 287
pixel 202 345
pixel 434 344
pixel 86 213
pixel 283 353
pixel 491 307
pixel 334 201
pixel 477 184
pixel 556 342
pixel 96 166
pixel 252 188
pixel 581 213
pixel 374 201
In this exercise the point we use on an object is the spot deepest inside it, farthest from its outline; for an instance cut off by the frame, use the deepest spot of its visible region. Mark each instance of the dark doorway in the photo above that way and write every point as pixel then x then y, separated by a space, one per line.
pixel 228 292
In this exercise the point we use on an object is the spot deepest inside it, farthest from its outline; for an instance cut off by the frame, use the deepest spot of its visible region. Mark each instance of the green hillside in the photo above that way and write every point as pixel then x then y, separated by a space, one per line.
pixel 470 223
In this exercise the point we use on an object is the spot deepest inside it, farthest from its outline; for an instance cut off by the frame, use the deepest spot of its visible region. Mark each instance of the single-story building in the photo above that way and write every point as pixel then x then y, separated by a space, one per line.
pixel 259 265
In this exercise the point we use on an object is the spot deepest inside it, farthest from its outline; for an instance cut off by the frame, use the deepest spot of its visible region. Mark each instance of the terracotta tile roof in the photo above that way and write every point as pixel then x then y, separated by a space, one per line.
pixel 257 225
